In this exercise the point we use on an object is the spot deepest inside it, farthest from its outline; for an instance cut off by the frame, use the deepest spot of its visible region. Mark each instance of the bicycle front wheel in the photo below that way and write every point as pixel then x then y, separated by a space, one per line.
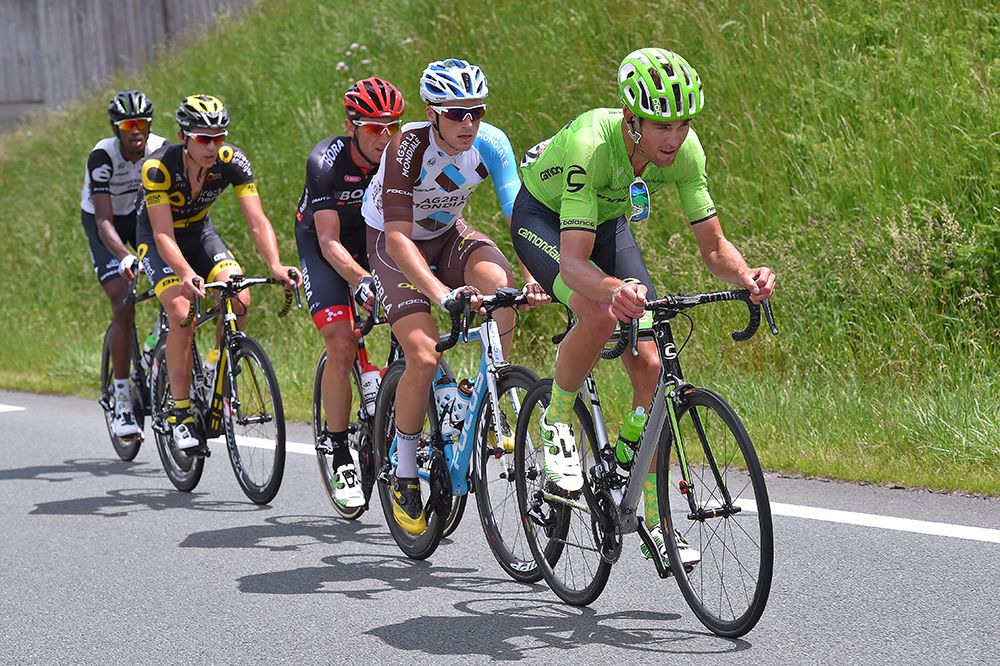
pixel 561 527
pixel 126 448
pixel 718 503
pixel 496 492
pixel 183 470
pixel 254 421
pixel 423 545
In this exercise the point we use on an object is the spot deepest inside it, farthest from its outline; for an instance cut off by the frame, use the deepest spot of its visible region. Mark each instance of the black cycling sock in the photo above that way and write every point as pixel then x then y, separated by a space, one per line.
pixel 341 450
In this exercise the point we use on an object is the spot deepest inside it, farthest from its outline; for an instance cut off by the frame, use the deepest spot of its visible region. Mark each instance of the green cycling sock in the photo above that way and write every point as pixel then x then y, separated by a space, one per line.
pixel 561 407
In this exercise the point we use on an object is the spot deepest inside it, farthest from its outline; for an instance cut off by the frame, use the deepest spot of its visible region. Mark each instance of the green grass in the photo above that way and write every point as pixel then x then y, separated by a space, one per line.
pixel 852 146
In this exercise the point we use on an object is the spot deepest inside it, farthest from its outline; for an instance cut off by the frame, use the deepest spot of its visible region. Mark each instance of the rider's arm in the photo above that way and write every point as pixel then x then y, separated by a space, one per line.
pixel 162 222
pixel 578 272
pixel 263 234
pixel 328 233
pixel 105 216
pixel 726 263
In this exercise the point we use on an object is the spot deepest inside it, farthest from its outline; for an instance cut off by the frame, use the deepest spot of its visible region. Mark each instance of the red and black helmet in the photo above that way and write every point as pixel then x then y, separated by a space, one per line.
pixel 373 98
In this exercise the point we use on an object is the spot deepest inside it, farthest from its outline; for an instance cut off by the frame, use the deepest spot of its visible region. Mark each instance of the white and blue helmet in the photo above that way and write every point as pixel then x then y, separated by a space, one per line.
pixel 450 80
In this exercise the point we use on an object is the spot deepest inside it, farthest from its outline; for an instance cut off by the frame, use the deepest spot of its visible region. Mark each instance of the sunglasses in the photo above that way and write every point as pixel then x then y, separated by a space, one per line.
pixel 207 139
pixel 141 124
pixel 460 113
pixel 638 196
pixel 376 129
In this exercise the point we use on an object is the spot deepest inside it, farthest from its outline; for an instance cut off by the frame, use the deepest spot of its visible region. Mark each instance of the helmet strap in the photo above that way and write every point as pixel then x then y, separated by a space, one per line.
pixel 357 147
pixel 437 130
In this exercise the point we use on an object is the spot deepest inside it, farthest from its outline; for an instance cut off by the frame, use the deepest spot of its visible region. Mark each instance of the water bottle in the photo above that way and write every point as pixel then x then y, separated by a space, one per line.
pixel 148 345
pixel 628 436
pixel 445 395
pixel 461 407
pixel 370 379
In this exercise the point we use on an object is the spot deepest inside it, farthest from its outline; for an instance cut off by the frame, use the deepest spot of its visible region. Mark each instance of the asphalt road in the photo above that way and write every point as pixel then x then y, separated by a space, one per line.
pixel 104 562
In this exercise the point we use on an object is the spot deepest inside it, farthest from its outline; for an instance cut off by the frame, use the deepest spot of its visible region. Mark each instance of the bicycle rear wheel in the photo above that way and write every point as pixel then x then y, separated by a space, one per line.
pixel 359 438
pixel 723 512
pixel 254 421
pixel 560 526
pixel 183 470
pixel 126 448
pixel 496 492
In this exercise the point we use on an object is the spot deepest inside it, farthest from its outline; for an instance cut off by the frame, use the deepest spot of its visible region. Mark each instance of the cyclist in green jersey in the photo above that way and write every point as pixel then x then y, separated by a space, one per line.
pixel 570 227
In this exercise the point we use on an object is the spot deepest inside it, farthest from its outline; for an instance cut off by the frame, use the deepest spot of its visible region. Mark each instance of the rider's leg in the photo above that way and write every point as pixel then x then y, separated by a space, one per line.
pixel 417 335
pixel 488 270
pixel 122 320
pixel 341 350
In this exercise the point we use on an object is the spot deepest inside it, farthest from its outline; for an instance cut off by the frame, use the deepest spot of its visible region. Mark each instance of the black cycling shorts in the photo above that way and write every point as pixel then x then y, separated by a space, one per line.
pixel 105 263
pixel 327 293
pixel 535 232
pixel 202 248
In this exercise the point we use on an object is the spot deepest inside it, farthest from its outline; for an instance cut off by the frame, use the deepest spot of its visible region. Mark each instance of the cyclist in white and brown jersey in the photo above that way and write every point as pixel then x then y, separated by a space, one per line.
pixel 413 209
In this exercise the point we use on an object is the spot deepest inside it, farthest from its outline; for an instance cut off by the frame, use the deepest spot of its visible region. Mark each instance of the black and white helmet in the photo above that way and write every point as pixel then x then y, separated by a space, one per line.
pixel 129 104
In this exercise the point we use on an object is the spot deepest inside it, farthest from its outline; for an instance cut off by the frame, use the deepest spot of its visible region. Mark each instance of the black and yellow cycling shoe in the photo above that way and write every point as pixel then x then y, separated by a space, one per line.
pixel 407 507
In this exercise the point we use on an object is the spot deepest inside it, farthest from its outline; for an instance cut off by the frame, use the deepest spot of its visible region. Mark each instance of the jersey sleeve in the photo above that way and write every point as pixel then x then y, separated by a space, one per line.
pixel 319 195
pixel 238 170
pixel 692 181
pixel 498 156
pixel 583 168
pixel 155 182
pixel 101 168
pixel 402 167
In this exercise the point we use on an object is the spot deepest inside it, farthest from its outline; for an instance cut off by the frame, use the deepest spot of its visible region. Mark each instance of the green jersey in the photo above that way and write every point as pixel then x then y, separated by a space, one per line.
pixel 584 173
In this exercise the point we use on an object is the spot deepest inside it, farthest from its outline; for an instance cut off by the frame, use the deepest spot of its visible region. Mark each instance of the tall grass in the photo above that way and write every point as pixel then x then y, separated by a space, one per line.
pixel 853 146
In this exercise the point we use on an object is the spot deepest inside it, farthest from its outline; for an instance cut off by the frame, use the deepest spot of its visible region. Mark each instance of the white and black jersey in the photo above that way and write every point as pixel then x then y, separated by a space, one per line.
pixel 108 172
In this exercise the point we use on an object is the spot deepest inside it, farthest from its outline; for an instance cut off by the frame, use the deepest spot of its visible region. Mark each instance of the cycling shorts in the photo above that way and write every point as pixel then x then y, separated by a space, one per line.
pixel 448 255
pixel 202 248
pixel 105 263
pixel 535 232
pixel 327 293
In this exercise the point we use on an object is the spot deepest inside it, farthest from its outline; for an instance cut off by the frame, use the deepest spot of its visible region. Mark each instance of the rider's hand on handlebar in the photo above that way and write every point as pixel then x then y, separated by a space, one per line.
pixel 535 294
pixel 192 287
pixel 759 282
pixel 475 298
pixel 628 301
pixel 282 275
pixel 127 266
pixel 364 295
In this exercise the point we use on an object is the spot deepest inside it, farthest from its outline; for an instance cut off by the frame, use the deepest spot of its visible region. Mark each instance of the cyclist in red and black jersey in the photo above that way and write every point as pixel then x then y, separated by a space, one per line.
pixel 180 184
pixel 330 234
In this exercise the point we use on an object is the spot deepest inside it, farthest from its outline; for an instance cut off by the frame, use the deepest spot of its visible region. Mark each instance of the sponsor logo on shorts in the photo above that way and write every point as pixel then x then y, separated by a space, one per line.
pixel 406 285
pixel 539 242
pixel 219 256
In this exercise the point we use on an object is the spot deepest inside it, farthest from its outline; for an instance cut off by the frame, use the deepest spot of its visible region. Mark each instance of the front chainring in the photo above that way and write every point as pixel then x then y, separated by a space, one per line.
pixel 607 526
pixel 440 483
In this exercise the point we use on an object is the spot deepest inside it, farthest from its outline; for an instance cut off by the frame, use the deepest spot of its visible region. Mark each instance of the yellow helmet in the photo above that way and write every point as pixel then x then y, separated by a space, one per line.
pixel 202 111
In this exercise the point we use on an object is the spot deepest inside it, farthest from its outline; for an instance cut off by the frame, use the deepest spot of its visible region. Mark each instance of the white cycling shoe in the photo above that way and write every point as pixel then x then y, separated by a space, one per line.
pixel 185 436
pixel 689 556
pixel 124 424
pixel 562 461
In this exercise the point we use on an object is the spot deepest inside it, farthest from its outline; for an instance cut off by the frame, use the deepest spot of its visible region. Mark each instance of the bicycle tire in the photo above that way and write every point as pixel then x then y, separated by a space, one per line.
pixel 740 544
pixel 565 524
pixel 493 473
pixel 128 448
pixel 421 546
pixel 360 440
pixel 184 471
pixel 253 406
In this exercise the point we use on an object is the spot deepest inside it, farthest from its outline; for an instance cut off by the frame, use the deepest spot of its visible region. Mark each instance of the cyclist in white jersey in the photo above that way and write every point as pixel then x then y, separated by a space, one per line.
pixel 413 208
pixel 107 212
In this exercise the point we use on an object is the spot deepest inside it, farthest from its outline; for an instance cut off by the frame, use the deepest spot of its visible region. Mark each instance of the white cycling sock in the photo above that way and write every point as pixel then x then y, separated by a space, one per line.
pixel 406 455
pixel 123 397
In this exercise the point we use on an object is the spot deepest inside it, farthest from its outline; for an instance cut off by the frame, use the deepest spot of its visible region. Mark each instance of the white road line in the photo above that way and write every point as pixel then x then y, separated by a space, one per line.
pixel 882 522
pixel 778 508
pixel 11 408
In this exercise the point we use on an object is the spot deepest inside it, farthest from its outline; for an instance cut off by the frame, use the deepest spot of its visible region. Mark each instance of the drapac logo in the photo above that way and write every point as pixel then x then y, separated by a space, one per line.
pixel 571 174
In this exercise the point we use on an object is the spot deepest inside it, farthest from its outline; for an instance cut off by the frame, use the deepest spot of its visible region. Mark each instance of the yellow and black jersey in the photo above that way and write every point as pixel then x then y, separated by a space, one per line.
pixel 164 181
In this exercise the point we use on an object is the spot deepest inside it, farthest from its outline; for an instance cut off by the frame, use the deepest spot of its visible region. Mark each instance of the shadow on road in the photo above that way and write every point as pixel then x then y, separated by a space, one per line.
pixel 120 503
pixel 79 468
pixel 512 629
pixel 371 575
pixel 289 534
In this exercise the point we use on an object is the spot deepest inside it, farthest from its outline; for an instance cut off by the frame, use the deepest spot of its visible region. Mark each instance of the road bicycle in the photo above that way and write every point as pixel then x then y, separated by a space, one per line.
pixel 239 401
pixel 445 463
pixel 710 486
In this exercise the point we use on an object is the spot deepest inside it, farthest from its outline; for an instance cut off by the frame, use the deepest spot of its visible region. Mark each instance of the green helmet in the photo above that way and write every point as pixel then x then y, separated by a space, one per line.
pixel 660 85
